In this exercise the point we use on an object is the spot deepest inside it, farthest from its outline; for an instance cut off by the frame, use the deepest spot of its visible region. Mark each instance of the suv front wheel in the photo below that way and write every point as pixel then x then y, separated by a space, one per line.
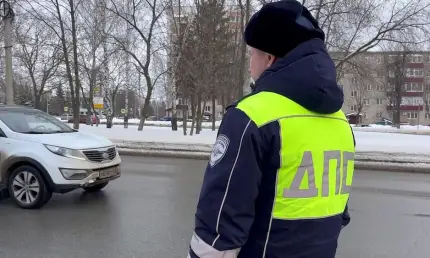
pixel 28 188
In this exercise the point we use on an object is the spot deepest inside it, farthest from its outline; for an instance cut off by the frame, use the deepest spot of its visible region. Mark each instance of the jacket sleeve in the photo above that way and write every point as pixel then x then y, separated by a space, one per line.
pixel 225 211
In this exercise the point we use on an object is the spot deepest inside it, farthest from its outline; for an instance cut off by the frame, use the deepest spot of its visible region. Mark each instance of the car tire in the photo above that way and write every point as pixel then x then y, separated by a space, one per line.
pixel 95 188
pixel 28 188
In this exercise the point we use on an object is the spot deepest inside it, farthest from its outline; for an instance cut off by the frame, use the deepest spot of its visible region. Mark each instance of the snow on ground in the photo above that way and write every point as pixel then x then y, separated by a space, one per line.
pixel 149 134
pixel 422 129
pixel 366 141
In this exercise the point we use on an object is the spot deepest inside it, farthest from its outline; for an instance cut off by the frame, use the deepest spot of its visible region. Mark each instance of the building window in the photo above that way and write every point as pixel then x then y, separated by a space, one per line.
pixel 391 73
pixel 412 101
pixel 353 108
pixel 427 115
pixel 366 102
pixel 354 93
pixel 416 59
pixel 379 115
pixel 368 87
pixel 414 72
pixel 379 87
pixel 379 59
pixel 392 58
pixel 379 102
pixel 414 87
pixel 368 59
pixel 208 108
pixel 412 115
pixel 365 115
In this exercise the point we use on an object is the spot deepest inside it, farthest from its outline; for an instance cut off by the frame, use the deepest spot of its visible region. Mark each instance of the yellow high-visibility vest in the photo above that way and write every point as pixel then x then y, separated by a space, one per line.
pixel 317 157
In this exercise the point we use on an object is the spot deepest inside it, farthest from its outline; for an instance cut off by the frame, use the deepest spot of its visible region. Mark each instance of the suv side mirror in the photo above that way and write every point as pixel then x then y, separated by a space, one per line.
pixel 2 134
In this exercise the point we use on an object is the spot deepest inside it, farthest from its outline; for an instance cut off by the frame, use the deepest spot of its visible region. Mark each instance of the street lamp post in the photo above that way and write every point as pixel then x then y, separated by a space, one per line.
pixel 7 14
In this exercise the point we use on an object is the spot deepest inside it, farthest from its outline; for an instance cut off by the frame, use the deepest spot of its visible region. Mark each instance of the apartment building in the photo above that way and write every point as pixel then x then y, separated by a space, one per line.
pixel 372 90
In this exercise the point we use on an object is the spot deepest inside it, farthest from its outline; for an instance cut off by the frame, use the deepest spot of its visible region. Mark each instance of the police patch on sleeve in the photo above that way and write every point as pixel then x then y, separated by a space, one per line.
pixel 219 149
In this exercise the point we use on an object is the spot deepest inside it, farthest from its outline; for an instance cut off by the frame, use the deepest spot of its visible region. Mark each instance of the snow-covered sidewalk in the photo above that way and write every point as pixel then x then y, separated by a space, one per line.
pixel 366 141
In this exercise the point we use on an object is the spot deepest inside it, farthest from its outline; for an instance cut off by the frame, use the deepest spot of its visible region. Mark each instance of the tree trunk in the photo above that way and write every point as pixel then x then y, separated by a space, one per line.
pixel 184 118
pixel 147 100
pixel 245 14
pixel 193 113
pixel 75 63
pixel 37 101
pixel 174 118
pixel 75 103
pixel 198 115
pixel 213 112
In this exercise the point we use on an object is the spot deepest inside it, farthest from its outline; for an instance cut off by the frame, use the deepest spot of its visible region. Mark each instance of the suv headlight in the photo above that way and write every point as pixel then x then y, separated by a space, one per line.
pixel 65 152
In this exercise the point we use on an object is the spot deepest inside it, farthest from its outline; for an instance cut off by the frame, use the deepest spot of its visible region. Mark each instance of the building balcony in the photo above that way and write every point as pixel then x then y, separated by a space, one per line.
pixel 414 65
pixel 414 79
pixel 407 108
pixel 412 94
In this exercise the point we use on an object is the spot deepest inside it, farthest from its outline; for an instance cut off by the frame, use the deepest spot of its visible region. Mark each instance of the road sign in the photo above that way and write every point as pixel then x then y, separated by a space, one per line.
pixel 98 102
pixel 123 111
pixel 4 9
pixel 66 109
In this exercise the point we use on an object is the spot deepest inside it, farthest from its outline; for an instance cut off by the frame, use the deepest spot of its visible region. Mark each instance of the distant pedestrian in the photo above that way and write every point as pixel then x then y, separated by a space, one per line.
pixel 278 179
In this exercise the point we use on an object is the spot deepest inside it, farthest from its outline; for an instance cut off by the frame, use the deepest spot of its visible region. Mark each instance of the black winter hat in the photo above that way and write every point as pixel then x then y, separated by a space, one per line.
pixel 279 27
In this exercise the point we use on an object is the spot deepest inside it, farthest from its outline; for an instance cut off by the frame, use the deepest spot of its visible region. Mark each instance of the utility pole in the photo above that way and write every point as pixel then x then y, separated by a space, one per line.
pixel 7 14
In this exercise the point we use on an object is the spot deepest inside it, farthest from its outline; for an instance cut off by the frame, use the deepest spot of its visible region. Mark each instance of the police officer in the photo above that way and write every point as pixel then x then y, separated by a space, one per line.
pixel 278 180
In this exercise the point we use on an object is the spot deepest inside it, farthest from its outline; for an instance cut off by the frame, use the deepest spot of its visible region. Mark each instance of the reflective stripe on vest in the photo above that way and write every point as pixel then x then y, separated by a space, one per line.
pixel 317 157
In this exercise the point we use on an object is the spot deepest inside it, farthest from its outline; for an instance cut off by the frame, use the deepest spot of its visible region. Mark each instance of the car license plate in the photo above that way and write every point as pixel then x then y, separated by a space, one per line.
pixel 109 172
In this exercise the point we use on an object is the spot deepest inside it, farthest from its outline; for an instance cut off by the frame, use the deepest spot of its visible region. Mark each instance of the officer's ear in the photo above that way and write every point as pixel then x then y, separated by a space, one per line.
pixel 271 59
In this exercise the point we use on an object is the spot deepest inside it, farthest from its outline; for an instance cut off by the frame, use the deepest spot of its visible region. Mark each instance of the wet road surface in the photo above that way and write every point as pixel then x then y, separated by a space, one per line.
pixel 148 213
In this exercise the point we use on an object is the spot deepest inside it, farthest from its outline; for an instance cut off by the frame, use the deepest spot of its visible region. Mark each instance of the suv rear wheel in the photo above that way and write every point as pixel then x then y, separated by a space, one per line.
pixel 28 188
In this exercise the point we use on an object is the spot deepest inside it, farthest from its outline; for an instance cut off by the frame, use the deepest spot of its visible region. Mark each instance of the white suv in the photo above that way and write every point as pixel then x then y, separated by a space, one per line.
pixel 40 155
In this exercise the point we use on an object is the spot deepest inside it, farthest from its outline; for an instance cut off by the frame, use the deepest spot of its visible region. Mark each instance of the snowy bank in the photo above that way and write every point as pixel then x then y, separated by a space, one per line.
pixel 404 129
pixel 366 141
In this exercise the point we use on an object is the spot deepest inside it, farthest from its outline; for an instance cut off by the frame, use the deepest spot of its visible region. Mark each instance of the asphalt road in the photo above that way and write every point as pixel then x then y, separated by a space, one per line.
pixel 148 213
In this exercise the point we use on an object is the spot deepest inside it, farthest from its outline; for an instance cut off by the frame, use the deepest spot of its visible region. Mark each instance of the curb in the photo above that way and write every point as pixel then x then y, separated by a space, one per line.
pixel 362 162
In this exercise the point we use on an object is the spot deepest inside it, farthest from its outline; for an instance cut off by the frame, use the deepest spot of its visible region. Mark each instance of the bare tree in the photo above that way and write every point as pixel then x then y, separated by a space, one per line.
pixel 426 87
pixel 356 26
pixel 39 52
pixel 362 89
pixel 116 80
pixel 245 14
pixel 180 16
pixel 396 82
pixel 94 28
pixel 55 15
pixel 146 31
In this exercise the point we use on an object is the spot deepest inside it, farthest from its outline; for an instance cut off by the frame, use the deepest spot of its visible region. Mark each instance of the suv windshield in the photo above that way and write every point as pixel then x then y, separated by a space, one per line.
pixel 32 122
